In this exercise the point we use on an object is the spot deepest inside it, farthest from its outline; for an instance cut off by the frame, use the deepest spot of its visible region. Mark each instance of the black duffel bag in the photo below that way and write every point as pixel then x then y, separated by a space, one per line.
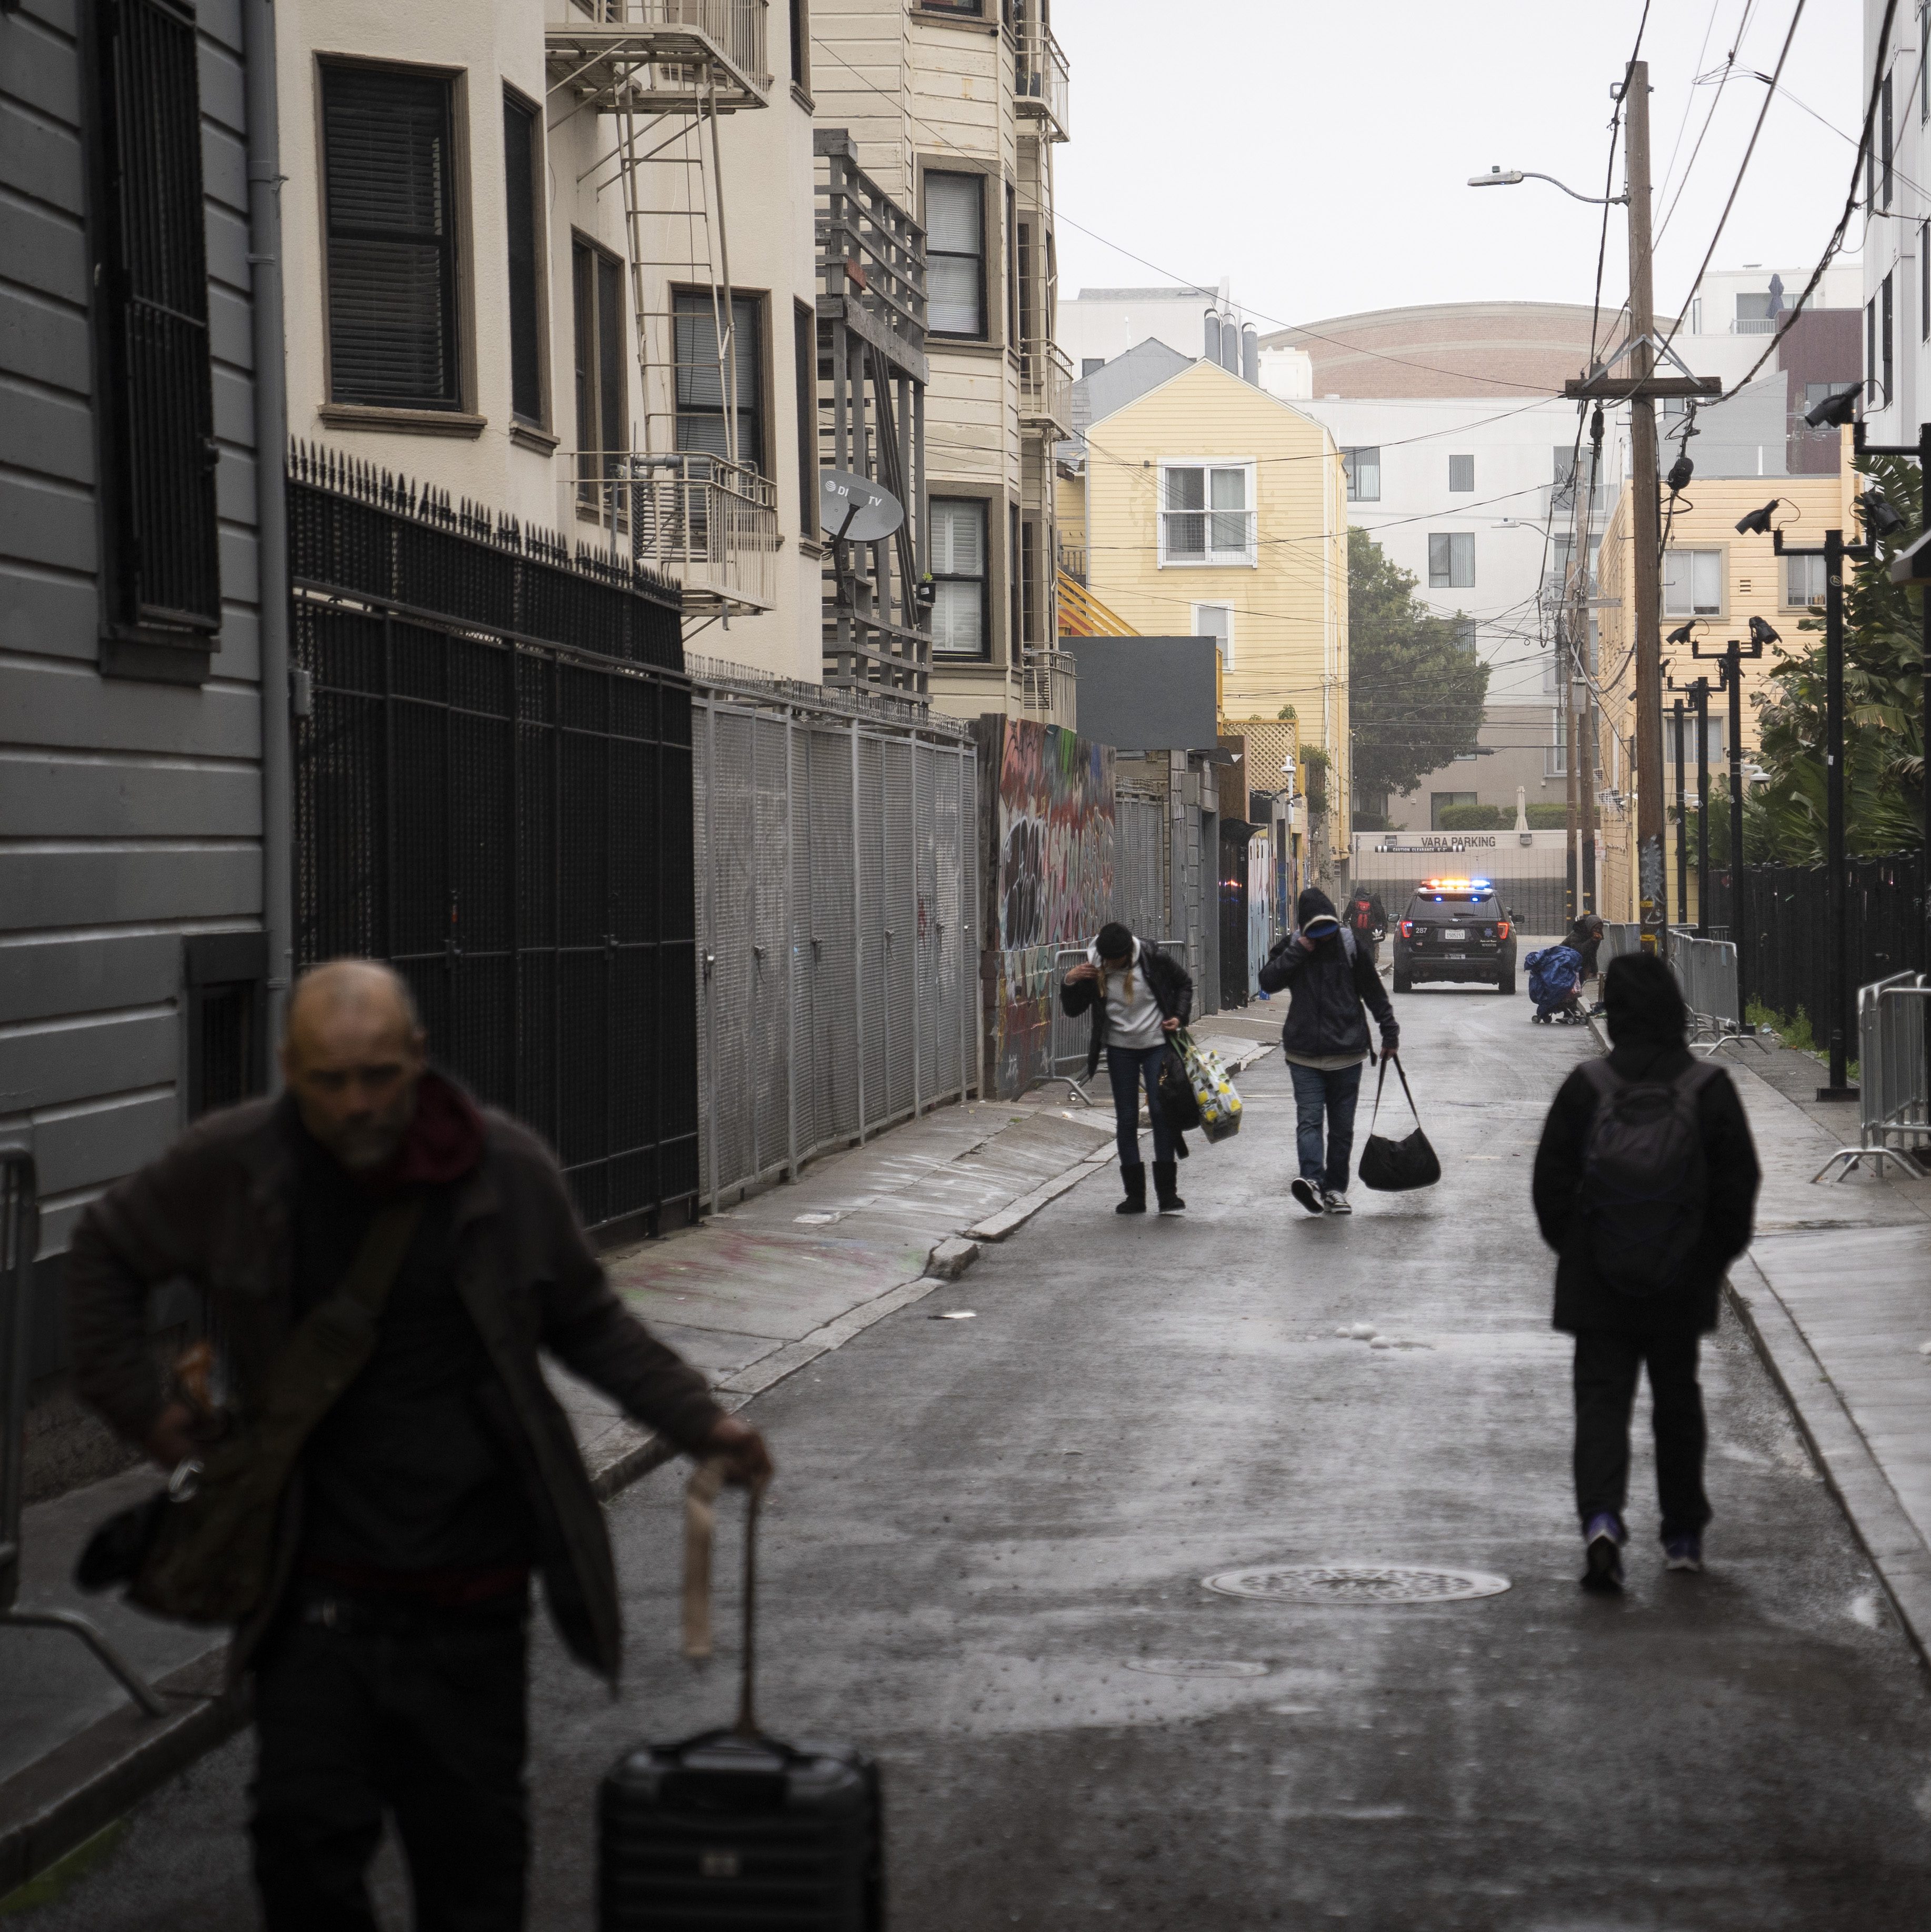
pixel 1394 1167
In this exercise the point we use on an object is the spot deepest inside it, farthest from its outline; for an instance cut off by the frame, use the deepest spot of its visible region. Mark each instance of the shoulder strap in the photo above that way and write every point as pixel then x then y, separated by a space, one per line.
pixel 1381 1081
pixel 378 1260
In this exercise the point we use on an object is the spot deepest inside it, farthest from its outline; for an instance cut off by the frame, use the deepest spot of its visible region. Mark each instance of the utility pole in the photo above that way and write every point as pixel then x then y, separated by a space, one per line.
pixel 1586 667
pixel 1566 670
pixel 1640 389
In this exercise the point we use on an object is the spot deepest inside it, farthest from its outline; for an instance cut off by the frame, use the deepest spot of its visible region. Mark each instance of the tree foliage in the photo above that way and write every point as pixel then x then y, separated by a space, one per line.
pixel 1883 742
pixel 1415 695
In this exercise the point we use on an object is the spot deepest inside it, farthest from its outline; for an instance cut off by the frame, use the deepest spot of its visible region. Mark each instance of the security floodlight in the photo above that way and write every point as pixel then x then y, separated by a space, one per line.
pixel 1834 411
pixel 1761 633
pixel 1495 177
pixel 1757 523
pixel 1680 472
pixel 1681 636
pixel 1880 519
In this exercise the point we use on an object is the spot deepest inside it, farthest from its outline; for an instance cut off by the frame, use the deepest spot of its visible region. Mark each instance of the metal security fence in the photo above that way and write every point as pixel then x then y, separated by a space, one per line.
pixel 837 862
pixel 1140 861
pixel 1893 1095
pixel 492 793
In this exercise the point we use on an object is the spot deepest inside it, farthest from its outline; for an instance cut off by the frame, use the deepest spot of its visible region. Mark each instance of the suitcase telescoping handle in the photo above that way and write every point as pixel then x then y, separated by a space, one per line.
pixel 700 1519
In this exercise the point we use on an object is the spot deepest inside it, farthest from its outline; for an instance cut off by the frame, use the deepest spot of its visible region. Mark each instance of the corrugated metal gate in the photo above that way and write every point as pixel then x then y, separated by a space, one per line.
pixel 492 792
pixel 1140 862
pixel 837 871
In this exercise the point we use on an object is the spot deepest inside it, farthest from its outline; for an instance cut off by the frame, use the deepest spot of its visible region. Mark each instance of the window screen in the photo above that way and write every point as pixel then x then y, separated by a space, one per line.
pixel 1205 517
pixel 958 577
pixel 956 253
pixel 1462 472
pixel 392 305
pixel 701 403
pixel 1451 560
pixel 162 566
pixel 521 149
pixel 1692 583
pixel 1363 469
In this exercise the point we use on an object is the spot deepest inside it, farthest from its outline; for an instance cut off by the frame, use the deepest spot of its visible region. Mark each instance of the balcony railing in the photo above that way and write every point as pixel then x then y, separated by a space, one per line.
pixel 708 525
pixel 1558 499
pixel 1040 73
pixel 1052 688
pixel 658 55
pixel 871 257
pixel 1046 387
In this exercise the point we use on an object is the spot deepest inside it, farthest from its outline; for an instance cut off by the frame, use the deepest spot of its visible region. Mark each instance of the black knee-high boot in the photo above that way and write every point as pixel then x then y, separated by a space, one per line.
pixel 1136 1203
pixel 1166 1185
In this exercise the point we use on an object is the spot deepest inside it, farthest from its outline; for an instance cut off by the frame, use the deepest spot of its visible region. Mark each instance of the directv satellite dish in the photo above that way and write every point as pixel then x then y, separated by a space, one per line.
pixel 857 509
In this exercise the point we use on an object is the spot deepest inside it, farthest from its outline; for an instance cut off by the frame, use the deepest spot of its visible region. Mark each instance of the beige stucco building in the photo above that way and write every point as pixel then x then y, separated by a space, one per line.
pixel 1206 507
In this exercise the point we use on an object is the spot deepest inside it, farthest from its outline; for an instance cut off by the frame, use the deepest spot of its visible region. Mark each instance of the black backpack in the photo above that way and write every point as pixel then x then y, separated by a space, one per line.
pixel 1645 1181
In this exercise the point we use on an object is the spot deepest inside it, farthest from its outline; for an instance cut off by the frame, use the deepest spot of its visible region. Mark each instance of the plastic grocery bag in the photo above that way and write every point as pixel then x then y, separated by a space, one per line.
pixel 1213 1091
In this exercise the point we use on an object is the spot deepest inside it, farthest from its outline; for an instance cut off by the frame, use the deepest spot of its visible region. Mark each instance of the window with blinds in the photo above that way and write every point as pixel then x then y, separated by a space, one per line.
pixel 958 577
pixel 955 254
pixel 701 401
pixel 161 572
pixel 388 152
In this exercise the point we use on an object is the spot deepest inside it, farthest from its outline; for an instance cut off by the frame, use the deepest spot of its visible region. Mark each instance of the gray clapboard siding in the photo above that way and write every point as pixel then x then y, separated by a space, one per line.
pixel 59 705
pixel 87 973
pixel 38 158
pixel 51 1066
pixel 42 75
pixel 48 616
pixel 51 434
pixel 93 1146
pixel 43 797
pixel 73 886
pixel 48 521
pixel 43 251
pixel 44 338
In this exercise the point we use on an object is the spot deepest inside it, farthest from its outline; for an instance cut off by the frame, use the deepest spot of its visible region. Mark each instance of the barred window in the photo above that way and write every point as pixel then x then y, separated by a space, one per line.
pixel 161 572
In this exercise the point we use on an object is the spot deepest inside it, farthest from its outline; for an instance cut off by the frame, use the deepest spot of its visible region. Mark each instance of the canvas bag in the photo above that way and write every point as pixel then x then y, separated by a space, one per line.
pixel 1394 1167
pixel 1214 1094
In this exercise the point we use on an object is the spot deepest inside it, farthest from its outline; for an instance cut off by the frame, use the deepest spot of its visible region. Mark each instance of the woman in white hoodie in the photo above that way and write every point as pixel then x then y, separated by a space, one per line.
pixel 1138 996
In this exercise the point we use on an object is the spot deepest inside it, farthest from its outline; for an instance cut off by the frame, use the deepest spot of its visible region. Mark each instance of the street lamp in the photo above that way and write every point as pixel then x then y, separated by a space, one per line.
pixel 1496 177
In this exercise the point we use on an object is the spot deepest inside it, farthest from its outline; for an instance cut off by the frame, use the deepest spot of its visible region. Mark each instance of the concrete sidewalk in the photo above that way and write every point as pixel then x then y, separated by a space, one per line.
pixel 751 1296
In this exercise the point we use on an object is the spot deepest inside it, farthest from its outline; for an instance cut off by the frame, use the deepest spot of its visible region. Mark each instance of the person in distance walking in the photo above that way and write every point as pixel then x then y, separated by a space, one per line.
pixel 1645 1185
pixel 1137 996
pixel 1324 1039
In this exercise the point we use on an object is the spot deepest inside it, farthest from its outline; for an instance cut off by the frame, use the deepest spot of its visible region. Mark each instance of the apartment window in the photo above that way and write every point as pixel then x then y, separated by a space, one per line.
pixel 1030 334
pixel 1216 621
pixel 1562 464
pixel 1885 336
pixel 522 152
pixel 161 573
pixel 1207 514
pixel 955 254
pixel 1713 739
pixel 959 577
pixel 1803 583
pixel 1753 318
pixel 389 151
pixel 1462 472
pixel 1440 801
pixel 1451 560
pixel 804 356
pixel 1464 630
pixel 1924 272
pixel 1555 753
pixel 801 45
pixel 975 8
pixel 1013 246
pixel 701 403
pixel 1692 583
pixel 597 284
pixel 1363 469
pixel 1014 586
pixel 1088 364
pixel 1884 185
pixel 226 1008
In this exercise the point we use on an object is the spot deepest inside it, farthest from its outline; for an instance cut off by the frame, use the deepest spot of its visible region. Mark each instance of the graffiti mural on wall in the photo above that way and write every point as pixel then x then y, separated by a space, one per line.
pixel 1054 826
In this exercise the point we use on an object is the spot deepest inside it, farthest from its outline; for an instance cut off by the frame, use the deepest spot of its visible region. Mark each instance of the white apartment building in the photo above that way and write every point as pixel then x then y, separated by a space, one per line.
pixel 519 271
pixel 955 107
pixel 1896 283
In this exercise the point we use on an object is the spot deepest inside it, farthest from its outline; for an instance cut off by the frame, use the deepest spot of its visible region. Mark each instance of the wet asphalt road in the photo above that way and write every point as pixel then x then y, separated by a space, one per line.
pixel 985 1554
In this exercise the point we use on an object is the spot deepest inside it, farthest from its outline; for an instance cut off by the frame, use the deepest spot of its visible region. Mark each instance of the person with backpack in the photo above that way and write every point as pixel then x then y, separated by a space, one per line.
pixel 1645 1185
pixel 1325 1040
pixel 1137 997
pixel 1555 985
pixel 1368 920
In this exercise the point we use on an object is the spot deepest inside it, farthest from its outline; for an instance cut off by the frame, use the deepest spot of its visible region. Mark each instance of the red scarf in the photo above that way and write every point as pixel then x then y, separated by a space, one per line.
pixel 444 1141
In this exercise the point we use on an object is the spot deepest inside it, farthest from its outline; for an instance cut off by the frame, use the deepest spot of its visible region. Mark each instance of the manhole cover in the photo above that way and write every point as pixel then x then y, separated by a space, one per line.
pixel 1195 1666
pixel 1347 1583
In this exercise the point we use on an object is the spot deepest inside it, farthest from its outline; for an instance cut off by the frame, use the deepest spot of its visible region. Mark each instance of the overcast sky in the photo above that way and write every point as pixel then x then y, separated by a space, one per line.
pixel 1317 153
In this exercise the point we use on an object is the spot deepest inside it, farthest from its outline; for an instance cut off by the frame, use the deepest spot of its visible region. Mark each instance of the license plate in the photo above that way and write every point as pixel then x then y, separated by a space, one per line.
pixel 1455 932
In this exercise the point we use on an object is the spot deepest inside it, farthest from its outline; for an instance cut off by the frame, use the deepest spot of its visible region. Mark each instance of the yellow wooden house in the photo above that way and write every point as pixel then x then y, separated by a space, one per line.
pixel 1207 508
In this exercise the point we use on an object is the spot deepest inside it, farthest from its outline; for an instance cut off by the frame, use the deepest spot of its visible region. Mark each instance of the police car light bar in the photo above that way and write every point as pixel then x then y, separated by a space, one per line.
pixel 1456 886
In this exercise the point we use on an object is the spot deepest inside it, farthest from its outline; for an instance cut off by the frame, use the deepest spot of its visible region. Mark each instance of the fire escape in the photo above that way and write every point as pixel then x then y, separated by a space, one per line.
pixel 871 420
pixel 659 75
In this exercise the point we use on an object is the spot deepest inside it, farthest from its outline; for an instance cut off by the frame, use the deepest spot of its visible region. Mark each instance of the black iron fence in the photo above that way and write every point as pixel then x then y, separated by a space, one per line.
pixel 493 792
pixel 1784 934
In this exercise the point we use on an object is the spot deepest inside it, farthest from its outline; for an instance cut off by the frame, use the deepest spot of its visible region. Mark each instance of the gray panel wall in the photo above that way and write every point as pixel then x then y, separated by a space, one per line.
pixel 130 813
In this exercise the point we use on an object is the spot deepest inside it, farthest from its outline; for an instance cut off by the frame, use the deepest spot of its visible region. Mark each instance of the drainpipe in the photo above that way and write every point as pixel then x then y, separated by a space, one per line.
pixel 265 230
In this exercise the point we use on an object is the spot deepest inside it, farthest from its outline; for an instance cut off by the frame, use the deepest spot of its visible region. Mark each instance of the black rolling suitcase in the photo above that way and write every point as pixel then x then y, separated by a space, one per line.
pixel 735 1829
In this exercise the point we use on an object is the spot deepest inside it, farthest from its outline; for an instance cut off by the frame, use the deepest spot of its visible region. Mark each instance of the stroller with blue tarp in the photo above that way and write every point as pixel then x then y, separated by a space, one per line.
pixel 1555 985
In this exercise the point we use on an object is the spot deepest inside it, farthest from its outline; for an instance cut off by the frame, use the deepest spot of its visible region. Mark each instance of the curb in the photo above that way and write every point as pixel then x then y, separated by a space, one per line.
pixel 1850 1472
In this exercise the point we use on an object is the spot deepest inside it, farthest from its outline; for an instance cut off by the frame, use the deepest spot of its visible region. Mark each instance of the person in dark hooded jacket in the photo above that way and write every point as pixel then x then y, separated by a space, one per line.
pixel 1324 1039
pixel 1616 1332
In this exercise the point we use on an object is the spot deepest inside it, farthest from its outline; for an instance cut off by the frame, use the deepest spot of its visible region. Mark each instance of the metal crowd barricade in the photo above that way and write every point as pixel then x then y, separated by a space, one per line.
pixel 20 1224
pixel 1893 1104
pixel 1706 971
pixel 1618 938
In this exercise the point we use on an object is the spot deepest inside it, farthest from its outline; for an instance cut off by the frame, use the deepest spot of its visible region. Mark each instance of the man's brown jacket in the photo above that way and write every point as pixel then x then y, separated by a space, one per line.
pixel 218 1209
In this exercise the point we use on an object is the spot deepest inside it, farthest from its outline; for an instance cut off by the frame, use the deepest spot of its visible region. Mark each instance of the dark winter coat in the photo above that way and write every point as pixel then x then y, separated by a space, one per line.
pixel 218 1209
pixel 1172 988
pixel 1583 1299
pixel 1330 984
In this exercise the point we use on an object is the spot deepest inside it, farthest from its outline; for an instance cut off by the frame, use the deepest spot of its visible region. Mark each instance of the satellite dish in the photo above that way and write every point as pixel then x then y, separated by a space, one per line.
pixel 855 508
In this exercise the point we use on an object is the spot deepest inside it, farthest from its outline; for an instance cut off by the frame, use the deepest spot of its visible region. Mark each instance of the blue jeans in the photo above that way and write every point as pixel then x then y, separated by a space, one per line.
pixel 1127 1069
pixel 1335 1093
